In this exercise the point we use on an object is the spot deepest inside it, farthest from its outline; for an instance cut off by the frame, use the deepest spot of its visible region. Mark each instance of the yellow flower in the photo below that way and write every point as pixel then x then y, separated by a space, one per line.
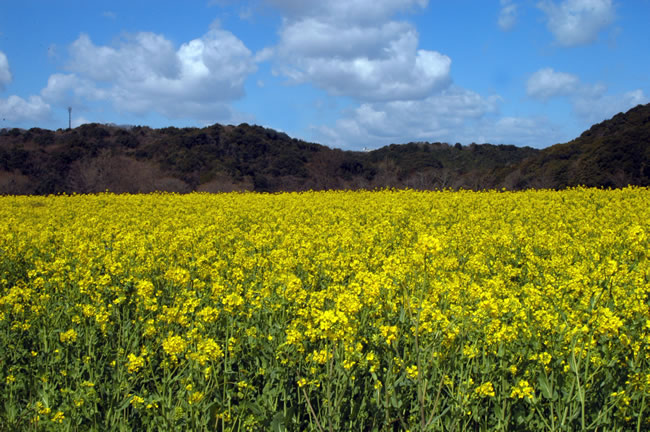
pixel 389 333
pixel 58 417
pixel 43 410
pixel 68 337
pixel 135 363
pixel 338 278
pixel 174 346
pixel 207 350
pixel 412 372
pixel 522 390
pixel 545 358
pixel 485 390
pixel 137 401
pixel 195 397
pixel 321 356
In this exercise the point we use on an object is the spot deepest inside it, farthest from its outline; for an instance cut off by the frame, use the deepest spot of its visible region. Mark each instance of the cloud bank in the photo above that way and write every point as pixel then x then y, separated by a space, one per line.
pixel 359 50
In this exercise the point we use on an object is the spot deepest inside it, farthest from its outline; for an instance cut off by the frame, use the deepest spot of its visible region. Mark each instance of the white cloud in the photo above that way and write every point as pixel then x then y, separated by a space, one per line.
pixel 370 64
pixel 577 22
pixel 17 110
pixel 596 106
pixel 591 102
pixel 536 132
pixel 352 48
pixel 264 54
pixel 146 73
pixel 5 72
pixel 507 15
pixel 546 83
pixel 78 121
pixel 481 127
pixel 347 11
pixel 141 57
pixel 440 117
pixel 69 89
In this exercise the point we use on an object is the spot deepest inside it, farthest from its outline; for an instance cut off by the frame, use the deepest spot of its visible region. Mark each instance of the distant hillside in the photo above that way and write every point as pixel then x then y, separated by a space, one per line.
pixel 95 158
pixel 613 153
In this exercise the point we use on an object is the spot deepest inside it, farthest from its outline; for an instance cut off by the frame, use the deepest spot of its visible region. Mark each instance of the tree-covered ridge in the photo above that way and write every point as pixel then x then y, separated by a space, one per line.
pixel 95 157
pixel 612 153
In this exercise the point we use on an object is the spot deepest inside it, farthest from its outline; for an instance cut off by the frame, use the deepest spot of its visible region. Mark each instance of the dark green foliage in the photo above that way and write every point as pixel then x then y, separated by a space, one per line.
pixel 127 140
pixel 13 159
pixel 289 165
pixel 261 183
pixel 43 137
pixel 93 131
pixel 613 153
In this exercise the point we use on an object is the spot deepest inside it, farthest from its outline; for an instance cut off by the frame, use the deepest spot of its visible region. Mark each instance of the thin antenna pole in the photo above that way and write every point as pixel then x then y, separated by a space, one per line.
pixel 69 117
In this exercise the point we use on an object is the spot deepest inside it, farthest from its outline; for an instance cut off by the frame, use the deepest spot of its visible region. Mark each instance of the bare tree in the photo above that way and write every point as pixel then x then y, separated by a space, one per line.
pixel 119 174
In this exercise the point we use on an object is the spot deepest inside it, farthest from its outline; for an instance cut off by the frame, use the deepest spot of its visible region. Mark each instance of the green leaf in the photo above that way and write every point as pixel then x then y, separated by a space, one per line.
pixel 279 422
pixel 545 387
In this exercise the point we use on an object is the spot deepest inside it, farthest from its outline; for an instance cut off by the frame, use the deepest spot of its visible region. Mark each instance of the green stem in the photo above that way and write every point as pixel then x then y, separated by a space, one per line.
pixel 639 420
pixel 311 411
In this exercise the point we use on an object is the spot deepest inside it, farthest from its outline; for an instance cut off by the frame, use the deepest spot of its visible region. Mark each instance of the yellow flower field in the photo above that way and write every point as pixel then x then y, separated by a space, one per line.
pixel 326 311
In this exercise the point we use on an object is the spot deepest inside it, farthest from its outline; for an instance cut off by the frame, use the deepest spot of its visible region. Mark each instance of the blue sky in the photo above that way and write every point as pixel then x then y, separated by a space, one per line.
pixel 350 74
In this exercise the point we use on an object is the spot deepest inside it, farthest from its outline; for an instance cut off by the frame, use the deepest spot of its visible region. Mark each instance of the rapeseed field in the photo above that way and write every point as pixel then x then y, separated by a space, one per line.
pixel 326 311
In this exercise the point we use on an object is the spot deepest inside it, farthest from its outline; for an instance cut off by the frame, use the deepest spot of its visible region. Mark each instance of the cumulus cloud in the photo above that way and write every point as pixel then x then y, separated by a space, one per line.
pixel 367 63
pixel 138 58
pixel 577 22
pixel 507 15
pixel 352 48
pixel 5 72
pixel 145 72
pixel 70 89
pixel 17 110
pixel 546 83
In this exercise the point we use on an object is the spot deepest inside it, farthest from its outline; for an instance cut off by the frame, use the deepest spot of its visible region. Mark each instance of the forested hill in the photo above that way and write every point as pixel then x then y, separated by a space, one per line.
pixel 95 158
pixel 613 153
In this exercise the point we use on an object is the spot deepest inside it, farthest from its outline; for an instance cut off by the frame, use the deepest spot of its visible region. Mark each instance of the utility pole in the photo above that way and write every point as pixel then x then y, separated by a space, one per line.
pixel 69 118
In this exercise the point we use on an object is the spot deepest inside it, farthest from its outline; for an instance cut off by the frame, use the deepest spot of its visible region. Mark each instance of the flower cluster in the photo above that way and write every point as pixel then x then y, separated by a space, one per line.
pixel 178 311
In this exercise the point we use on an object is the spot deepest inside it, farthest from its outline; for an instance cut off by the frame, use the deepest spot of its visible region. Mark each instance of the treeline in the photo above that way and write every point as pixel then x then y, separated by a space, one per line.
pixel 96 158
